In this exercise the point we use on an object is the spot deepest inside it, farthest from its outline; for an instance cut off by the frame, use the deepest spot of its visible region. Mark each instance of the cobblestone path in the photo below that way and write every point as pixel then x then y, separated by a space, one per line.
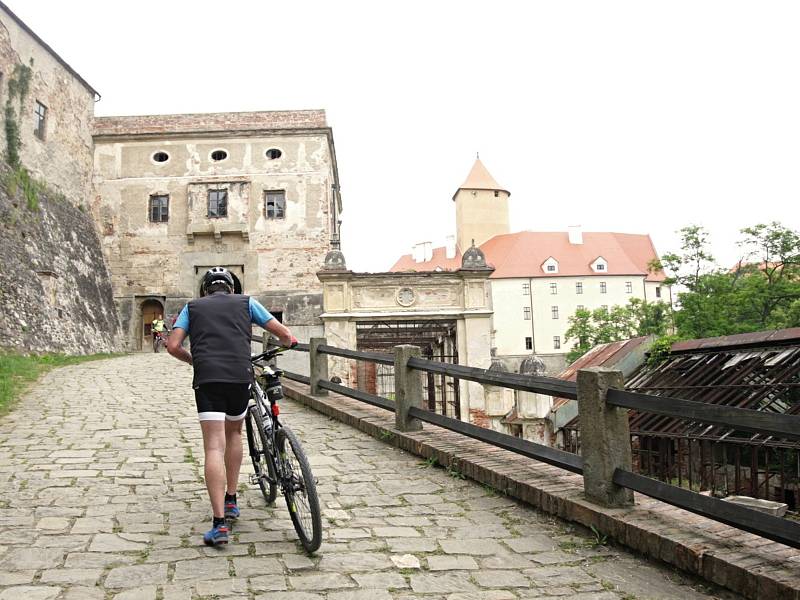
pixel 102 498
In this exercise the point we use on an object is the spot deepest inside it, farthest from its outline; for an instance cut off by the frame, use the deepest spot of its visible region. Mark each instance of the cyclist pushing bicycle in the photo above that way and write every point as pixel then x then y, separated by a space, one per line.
pixel 219 323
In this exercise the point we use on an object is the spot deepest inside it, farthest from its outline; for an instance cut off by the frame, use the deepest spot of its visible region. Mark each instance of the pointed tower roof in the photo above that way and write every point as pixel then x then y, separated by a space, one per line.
pixel 479 178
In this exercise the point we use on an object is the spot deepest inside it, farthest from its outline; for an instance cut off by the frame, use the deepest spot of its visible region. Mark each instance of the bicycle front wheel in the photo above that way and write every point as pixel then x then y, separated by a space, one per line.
pixel 258 444
pixel 300 490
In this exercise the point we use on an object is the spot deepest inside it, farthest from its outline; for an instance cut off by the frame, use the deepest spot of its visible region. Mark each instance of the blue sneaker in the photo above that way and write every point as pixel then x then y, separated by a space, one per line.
pixel 231 510
pixel 217 535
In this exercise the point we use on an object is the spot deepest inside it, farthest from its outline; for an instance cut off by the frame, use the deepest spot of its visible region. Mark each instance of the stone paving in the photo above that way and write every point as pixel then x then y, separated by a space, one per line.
pixel 102 498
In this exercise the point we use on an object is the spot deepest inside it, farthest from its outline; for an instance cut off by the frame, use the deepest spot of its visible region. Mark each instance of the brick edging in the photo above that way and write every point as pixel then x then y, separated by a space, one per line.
pixel 744 563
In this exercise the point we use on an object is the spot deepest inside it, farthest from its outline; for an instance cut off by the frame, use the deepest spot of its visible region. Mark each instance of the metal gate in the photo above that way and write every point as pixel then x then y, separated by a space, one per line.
pixel 436 339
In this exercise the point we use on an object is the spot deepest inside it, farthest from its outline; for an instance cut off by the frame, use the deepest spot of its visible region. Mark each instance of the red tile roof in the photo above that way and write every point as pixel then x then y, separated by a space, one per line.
pixel 522 254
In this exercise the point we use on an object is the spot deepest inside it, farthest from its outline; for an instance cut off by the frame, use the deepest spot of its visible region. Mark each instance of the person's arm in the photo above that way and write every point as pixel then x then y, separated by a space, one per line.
pixel 175 348
pixel 262 317
pixel 282 332
pixel 179 332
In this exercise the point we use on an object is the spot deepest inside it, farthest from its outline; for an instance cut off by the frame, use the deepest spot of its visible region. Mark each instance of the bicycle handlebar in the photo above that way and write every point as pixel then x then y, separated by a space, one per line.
pixel 267 355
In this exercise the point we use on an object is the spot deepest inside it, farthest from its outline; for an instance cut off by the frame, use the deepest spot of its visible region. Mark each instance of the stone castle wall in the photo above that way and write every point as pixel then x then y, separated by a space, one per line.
pixel 55 293
pixel 64 157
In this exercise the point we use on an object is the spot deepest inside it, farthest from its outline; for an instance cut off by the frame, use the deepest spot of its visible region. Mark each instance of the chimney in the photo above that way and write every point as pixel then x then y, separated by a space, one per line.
pixel 427 251
pixel 417 253
pixel 422 252
pixel 575 234
pixel 450 246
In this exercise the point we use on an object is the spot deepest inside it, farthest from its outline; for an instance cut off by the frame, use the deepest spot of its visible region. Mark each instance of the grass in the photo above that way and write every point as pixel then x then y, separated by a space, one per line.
pixel 18 371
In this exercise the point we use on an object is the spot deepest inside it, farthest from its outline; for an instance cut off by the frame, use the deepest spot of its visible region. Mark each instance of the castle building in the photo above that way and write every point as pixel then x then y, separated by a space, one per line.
pixel 257 193
pixel 125 214
pixel 540 278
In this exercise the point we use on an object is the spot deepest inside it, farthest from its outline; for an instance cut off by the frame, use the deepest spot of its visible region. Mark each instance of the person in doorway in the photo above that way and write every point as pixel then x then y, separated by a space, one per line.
pixel 219 325
pixel 157 327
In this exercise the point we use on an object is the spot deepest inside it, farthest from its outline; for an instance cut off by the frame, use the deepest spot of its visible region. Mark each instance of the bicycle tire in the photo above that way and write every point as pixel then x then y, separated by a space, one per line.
pixel 258 443
pixel 303 503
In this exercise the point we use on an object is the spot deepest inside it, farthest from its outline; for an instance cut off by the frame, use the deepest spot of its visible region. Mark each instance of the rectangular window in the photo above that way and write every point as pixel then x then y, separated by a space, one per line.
pixel 526 313
pixel 628 287
pixel 603 287
pixel 528 343
pixel 556 342
pixel 554 312
pixel 601 267
pixel 578 287
pixel 275 204
pixel 159 208
pixel 41 118
pixel 553 288
pixel 526 289
pixel 551 268
pixel 658 292
pixel 581 307
pixel 217 203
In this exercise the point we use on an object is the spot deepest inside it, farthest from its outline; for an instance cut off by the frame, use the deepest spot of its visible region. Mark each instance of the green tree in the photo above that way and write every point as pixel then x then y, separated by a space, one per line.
pixel 757 294
pixel 601 326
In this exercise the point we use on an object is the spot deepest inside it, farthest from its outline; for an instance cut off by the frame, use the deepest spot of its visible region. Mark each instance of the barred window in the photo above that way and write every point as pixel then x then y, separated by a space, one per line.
pixel 159 208
pixel 217 203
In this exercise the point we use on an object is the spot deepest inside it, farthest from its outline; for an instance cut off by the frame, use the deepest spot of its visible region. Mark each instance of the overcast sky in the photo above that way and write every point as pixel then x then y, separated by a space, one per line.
pixel 635 116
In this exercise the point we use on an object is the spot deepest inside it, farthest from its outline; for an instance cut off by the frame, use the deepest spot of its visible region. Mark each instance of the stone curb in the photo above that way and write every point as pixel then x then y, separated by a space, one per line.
pixel 744 563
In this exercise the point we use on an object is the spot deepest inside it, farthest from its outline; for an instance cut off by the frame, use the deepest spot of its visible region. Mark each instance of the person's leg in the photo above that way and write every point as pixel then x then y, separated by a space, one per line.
pixel 214 447
pixel 233 454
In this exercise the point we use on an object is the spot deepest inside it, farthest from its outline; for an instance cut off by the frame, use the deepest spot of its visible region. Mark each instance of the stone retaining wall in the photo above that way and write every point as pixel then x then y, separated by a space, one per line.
pixel 55 293
pixel 747 564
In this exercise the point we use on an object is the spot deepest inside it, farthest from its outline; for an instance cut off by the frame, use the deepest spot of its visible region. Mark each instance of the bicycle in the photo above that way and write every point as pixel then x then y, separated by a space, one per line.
pixel 278 457
pixel 159 340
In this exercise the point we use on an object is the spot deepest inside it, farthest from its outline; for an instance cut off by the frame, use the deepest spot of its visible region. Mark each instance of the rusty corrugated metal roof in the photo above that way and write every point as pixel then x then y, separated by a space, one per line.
pixel 757 338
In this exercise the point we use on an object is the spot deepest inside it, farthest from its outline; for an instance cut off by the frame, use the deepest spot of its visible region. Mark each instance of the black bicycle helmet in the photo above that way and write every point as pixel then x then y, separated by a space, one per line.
pixel 216 275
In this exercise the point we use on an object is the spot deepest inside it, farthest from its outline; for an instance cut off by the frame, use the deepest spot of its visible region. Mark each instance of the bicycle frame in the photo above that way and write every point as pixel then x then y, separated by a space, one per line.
pixel 265 406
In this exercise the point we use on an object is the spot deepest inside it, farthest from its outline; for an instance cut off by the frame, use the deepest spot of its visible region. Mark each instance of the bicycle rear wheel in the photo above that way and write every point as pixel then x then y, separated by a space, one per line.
pixel 300 490
pixel 258 444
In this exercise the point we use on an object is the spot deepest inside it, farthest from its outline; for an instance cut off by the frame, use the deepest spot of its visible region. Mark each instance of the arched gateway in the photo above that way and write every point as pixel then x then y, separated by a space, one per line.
pixel 448 314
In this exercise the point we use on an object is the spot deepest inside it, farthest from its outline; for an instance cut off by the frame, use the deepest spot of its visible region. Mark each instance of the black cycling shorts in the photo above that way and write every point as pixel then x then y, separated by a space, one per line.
pixel 222 401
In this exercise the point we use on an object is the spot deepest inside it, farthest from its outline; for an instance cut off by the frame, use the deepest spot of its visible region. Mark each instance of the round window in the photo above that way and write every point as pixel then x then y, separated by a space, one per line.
pixel 160 157
pixel 218 155
pixel 273 153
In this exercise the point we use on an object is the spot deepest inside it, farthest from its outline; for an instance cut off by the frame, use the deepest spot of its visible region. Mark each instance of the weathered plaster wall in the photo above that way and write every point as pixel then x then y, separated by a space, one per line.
pixel 56 292
pixel 64 158
pixel 275 259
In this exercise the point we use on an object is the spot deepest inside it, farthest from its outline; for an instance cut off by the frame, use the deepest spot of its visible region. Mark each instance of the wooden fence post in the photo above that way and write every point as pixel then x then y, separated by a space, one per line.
pixel 604 437
pixel 318 366
pixel 407 388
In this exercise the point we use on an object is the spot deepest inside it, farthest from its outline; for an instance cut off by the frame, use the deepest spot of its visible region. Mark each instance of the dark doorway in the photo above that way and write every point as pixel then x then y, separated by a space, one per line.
pixel 150 310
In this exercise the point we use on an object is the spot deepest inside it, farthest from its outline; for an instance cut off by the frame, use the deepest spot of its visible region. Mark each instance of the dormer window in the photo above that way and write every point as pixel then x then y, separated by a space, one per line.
pixel 550 265
pixel 600 265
